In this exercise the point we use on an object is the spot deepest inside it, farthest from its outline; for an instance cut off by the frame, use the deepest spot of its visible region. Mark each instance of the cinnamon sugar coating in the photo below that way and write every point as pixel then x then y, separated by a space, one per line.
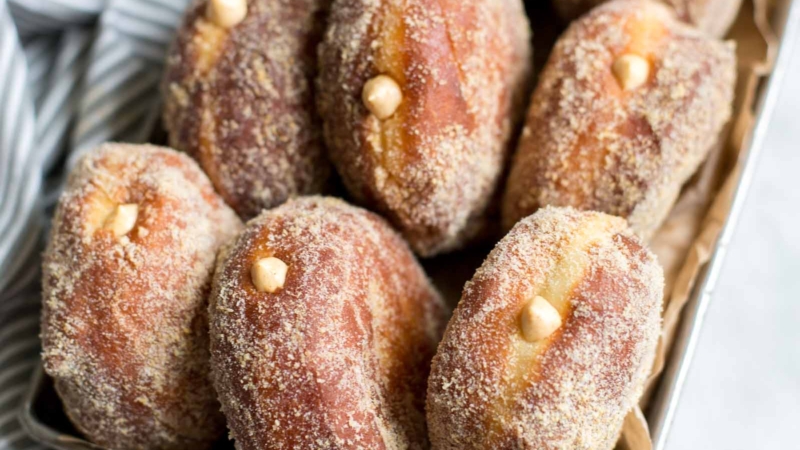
pixel 338 357
pixel 241 102
pixel 490 388
pixel 124 324
pixel 431 167
pixel 590 144
pixel 714 17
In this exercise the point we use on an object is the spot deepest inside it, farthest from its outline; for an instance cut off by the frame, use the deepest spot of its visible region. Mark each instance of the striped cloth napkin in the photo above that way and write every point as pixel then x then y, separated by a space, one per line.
pixel 74 73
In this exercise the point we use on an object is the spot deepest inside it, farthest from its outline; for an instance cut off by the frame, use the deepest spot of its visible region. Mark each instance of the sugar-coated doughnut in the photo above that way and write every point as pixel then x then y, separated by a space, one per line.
pixel 630 103
pixel 238 97
pixel 712 16
pixel 552 340
pixel 322 330
pixel 419 100
pixel 126 277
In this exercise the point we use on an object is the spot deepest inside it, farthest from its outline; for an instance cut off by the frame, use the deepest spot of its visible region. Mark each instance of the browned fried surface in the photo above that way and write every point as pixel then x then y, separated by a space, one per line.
pixel 712 16
pixel 591 145
pixel 462 66
pixel 338 358
pixel 240 101
pixel 124 325
pixel 491 389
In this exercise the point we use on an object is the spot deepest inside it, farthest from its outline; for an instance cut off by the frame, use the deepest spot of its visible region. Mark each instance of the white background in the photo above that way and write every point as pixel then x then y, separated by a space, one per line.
pixel 743 388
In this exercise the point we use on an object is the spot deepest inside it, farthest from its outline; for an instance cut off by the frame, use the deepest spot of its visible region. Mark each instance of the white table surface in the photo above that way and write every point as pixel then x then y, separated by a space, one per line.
pixel 743 388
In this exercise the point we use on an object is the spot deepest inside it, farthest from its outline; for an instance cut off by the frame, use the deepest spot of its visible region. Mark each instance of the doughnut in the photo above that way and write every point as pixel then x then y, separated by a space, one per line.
pixel 238 97
pixel 552 340
pixel 322 329
pixel 419 100
pixel 126 277
pixel 714 17
pixel 629 104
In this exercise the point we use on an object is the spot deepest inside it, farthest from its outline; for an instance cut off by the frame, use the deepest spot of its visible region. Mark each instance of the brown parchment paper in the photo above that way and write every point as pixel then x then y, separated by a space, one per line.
pixel 686 240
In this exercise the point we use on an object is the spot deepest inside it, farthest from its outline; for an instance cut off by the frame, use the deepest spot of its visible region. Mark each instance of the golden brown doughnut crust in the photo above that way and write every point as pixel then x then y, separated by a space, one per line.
pixel 491 389
pixel 462 67
pixel 240 101
pixel 712 16
pixel 124 324
pixel 590 144
pixel 338 357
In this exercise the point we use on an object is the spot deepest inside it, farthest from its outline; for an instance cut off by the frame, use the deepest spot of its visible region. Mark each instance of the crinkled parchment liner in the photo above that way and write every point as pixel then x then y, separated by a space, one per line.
pixel 686 240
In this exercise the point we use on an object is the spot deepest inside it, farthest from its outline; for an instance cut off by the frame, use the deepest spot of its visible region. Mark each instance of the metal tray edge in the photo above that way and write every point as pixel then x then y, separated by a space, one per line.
pixel 40 432
pixel 666 398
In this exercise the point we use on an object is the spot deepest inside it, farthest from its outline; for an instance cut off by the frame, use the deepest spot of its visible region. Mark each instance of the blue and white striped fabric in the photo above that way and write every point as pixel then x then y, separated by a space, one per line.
pixel 74 73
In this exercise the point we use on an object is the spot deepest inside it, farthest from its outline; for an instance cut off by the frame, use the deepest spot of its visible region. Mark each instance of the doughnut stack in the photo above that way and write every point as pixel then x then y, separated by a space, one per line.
pixel 169 322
